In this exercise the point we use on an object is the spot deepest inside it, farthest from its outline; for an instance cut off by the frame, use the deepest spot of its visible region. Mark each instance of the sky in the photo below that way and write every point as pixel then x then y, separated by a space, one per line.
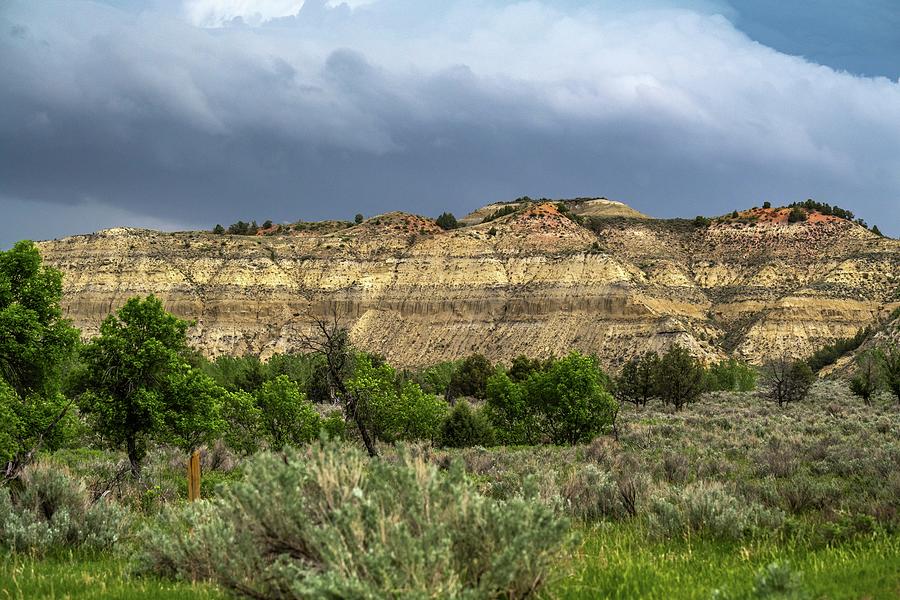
pixel 180 114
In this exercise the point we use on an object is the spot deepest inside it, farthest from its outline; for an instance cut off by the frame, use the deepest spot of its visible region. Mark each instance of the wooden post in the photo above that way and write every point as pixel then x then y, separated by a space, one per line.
pixel 194 476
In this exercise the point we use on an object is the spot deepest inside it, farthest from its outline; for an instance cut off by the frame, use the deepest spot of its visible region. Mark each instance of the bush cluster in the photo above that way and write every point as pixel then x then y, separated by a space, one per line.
pixel 678 378
pixel 824 208
pixel 830 353
pixel 709 509
pixel 561 401
pixel 330 523
pixel 447 221
pixel 502 212
pixel 50 510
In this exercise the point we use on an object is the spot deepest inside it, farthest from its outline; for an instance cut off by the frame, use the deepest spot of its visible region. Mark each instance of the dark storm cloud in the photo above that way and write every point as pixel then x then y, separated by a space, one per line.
pixel 145 117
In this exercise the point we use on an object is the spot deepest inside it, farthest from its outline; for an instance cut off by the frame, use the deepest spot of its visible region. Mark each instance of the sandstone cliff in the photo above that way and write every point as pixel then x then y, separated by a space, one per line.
pixel 534 282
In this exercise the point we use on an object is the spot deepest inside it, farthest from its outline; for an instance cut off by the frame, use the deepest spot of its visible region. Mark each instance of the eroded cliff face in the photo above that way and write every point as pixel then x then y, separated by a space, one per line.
pixel 531 283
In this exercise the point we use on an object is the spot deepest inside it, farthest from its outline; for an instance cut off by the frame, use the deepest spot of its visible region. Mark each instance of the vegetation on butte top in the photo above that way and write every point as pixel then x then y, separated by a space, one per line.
pixel 579 210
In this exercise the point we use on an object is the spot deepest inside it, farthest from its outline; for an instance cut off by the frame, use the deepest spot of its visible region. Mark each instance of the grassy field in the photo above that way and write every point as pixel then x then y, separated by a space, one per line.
pixel 619 562
pixel 611 561
pixel 23 577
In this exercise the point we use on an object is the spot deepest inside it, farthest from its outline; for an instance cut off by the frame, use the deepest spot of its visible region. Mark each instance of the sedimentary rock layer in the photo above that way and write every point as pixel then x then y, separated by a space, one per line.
pixel 533 283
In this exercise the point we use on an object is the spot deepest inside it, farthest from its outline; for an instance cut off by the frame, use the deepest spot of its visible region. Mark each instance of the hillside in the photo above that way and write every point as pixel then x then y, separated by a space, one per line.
pixel 532 282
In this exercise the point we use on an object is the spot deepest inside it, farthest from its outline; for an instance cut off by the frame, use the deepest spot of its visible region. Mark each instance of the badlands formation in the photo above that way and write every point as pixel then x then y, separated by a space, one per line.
pixel 534 282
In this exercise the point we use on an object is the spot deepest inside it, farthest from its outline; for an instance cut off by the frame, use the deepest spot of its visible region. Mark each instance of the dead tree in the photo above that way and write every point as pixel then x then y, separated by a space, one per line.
pixel 787 380
pixel 332 342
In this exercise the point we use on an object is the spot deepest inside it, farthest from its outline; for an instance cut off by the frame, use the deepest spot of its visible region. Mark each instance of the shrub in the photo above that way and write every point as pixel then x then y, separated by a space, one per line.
pixel 824 208
pixel 51 510
pixel 778 580
pixel 359 218
pixel 447 221
pixel 708 509
pixel 701 221
pixel 465 427
pixel 767 205
pixel 502 212
pixel 218 229
pixel 591 493
pixel 796 215
pixel 329 523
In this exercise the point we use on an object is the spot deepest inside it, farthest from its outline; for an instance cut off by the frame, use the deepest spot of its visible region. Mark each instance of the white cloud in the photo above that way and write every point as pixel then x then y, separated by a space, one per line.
pixel 215 13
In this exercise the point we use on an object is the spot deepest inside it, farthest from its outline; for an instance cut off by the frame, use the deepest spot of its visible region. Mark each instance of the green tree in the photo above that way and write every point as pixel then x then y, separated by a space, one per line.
pixel 136 384
pixel 394 409
pixel 10 424
pixel 421 413
pixel 358 218
pixel 730 375
pixel 470 379
pixel 466 427
pixel 679 377
pixel 436 378
pixel 570 401
pixel 507 410
pixel 636 382
pixel 522 367
pixel 239 228
pixel 865 382
pixel 447 221
pixel 286 416
pixel 36 348
pixel 36 343
pixel 243 422
pixel 218 229
pixel 889 360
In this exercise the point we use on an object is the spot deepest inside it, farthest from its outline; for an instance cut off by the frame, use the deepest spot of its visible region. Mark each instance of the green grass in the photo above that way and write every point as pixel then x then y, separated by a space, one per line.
pixel 612 561
pixel 80 577
pixel 618 561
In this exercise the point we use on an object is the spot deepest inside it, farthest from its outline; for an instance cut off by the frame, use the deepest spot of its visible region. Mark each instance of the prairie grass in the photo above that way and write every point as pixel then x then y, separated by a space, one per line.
pixel 619 560
pixel 88 577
